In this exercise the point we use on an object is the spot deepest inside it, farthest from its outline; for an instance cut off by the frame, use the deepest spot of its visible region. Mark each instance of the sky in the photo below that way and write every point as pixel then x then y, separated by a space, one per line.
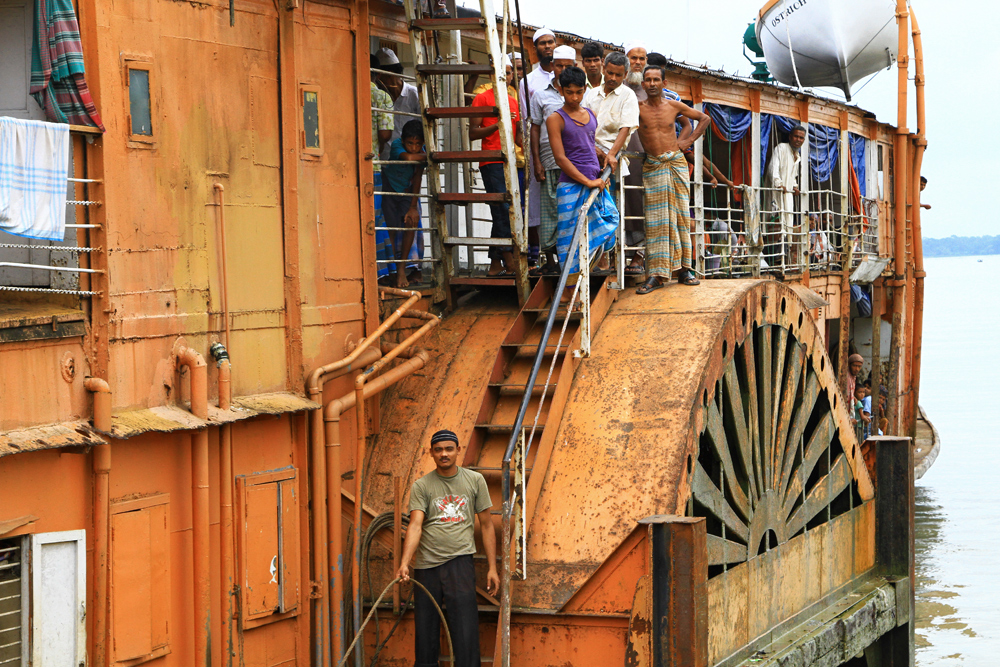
pixel 961 48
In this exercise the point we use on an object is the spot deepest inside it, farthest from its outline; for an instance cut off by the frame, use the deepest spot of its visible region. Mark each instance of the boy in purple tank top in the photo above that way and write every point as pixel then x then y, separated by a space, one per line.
pixel 571 132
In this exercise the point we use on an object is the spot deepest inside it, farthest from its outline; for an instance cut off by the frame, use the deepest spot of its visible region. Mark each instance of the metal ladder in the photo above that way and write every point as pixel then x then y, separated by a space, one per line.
pixel 432 68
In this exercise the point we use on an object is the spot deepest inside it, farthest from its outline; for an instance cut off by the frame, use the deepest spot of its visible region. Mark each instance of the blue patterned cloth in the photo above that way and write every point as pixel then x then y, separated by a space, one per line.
pixel 383 246
pixel 602 221
pixel 34 166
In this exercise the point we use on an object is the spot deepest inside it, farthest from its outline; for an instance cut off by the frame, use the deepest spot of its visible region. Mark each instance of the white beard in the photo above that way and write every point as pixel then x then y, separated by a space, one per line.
pixel 633 80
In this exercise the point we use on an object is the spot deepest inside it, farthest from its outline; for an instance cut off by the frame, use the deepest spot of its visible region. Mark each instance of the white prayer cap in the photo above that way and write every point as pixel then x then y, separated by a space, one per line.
pixel 542 32
pixel 635 44
pixel 564 52
pixel 517 55
pixel 386 56
pixel 510 63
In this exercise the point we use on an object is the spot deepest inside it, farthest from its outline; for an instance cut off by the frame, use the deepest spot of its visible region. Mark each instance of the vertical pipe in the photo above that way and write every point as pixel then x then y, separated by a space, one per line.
pixel 320 519
pixel 918 245
pixel 397 534
pixel 222 262
pixel 102 470
pixel 359 478
pixel 900 176
pixel 199 507
pixel 335 532
pixel 226 504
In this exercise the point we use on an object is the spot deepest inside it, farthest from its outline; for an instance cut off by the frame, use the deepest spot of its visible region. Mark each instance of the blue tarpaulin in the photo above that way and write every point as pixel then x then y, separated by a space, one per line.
pixel 731 123
pixel 859 146
pixel 824 149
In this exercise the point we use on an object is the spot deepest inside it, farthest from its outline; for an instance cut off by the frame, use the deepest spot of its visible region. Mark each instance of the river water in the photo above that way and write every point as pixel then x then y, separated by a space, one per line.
pixel 958 500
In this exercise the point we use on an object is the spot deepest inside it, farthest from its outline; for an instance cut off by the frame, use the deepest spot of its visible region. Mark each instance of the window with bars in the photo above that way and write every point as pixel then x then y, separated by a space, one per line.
pixel 12 607
pixel 43 600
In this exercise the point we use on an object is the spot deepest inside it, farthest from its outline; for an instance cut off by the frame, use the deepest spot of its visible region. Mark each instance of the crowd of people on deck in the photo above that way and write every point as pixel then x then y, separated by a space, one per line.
pixel 582 120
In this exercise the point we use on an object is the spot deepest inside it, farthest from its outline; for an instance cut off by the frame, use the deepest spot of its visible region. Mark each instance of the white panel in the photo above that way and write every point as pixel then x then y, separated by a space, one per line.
pixel 58 583
pixel 16 33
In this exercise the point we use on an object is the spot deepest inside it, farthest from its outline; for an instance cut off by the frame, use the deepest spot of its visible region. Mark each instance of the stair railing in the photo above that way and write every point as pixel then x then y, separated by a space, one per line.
pixel 578 245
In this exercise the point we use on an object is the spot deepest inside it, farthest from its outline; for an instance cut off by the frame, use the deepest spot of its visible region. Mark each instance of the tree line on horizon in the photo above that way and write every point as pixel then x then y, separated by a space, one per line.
pixel 962 246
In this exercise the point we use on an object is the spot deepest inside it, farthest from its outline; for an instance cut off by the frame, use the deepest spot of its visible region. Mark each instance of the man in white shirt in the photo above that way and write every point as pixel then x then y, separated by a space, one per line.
pixel 617 112
pixel 404 95
pixel 537 80
pixel 782 179
pixel 593 64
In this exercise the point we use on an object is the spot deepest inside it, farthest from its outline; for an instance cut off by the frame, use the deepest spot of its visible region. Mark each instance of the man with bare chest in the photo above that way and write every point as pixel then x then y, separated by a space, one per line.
pixel 666 184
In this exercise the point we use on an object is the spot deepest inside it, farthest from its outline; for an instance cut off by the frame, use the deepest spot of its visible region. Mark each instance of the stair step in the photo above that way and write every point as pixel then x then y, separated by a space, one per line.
pixel 470 23
pixel 465 156
pixel 530 350
pixel 462 112
pixel 477 241
pixel 471 68
pixel 489 469
pixel 482 281
pixel 507 428
pixel 473 197
pixel 543 313
pixel 518 389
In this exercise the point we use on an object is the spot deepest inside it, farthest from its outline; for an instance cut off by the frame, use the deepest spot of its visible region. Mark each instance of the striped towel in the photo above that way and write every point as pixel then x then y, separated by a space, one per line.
pixel 34 160
pixel 602 222
pixel 58 82
pixel 668 225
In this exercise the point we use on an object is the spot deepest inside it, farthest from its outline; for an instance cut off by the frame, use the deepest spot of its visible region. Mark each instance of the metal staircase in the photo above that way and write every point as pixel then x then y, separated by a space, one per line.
pixel 436 72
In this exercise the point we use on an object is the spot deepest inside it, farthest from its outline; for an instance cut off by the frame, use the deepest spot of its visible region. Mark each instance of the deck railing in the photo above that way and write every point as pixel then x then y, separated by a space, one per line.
pixel 51 267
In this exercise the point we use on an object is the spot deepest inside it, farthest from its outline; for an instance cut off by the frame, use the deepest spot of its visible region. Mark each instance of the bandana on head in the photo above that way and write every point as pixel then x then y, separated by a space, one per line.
pixel 855 357
pixel 444 435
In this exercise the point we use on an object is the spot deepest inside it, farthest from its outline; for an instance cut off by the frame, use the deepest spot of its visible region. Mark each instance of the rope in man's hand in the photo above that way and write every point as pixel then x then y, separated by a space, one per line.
pixel 447 631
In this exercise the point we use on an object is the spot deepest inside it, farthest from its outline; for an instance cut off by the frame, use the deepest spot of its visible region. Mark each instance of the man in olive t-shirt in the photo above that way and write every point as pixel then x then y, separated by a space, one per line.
pixel 443 507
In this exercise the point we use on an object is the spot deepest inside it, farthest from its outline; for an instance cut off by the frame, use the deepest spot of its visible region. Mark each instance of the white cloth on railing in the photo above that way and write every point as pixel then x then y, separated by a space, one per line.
pixel 751 219
pixel 34 164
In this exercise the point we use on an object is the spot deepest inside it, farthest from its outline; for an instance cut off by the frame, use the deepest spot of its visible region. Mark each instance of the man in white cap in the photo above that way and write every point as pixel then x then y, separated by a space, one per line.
pixel 404 95
pixel 538 79
pixel 636 52
pixel 546 172
pixel 405 99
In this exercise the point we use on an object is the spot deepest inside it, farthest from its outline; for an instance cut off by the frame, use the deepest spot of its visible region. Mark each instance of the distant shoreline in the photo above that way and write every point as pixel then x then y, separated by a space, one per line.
pixel 962 246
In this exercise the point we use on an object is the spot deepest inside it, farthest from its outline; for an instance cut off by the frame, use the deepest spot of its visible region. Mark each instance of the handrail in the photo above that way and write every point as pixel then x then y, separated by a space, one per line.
pixel 574 246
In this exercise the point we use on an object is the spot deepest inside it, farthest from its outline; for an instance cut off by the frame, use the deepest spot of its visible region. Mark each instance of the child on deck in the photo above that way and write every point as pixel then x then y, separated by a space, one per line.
pixel 571 132
pixel 404 211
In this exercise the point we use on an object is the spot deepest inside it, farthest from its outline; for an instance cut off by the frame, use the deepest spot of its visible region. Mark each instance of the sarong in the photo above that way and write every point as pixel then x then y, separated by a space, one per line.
pixel 383 246
pixel 602 222
pixel 549 196
pixel 668 224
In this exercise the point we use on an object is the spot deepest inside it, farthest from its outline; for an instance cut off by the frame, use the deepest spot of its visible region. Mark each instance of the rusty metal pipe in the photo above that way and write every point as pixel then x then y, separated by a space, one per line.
pixel 331 417
pixel 321 514
pixel 359 456
pixel 199 506
pixel 226 544
pixel 918 244
pixel 225 274
pixel 102 470
pixel 899 175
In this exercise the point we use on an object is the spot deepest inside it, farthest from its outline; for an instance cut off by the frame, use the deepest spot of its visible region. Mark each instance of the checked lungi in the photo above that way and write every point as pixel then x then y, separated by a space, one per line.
pixel 602 222
pixel 548 198
pixel 668 223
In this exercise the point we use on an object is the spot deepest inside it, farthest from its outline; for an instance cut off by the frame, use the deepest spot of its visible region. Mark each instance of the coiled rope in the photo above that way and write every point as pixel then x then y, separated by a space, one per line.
pixel 447 631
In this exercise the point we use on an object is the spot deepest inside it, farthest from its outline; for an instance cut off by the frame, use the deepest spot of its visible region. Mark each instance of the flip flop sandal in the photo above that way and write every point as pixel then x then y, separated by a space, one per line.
pixel 650 286
pixel 689 279
pixel 602 272
pixel 633 270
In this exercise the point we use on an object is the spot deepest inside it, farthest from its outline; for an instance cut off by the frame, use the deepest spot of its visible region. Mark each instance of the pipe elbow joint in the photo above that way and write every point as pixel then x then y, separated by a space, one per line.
pixel 96 385
pixel 333 410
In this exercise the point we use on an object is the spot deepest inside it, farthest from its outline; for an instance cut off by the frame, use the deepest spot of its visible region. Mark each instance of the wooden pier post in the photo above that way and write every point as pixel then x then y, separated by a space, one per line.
pixel 679 590
pixel 894 541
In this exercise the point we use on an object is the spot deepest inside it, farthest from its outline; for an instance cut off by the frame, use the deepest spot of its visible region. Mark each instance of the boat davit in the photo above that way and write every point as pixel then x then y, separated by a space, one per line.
pixel 832 43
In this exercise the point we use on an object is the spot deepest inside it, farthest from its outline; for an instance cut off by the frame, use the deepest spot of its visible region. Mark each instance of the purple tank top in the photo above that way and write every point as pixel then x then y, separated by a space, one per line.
pixel 579 145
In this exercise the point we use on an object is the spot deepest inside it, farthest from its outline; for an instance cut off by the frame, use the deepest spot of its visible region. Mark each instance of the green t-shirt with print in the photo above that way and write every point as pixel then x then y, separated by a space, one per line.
pixel 449 505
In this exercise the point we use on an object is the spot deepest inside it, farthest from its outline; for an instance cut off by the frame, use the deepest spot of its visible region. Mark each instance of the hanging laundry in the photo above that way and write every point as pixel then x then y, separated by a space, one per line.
pixel 58 83
pixel 34 165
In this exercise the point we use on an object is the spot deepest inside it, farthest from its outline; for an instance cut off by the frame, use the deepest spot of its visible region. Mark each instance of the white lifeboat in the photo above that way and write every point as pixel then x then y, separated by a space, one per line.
pixel 832 43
